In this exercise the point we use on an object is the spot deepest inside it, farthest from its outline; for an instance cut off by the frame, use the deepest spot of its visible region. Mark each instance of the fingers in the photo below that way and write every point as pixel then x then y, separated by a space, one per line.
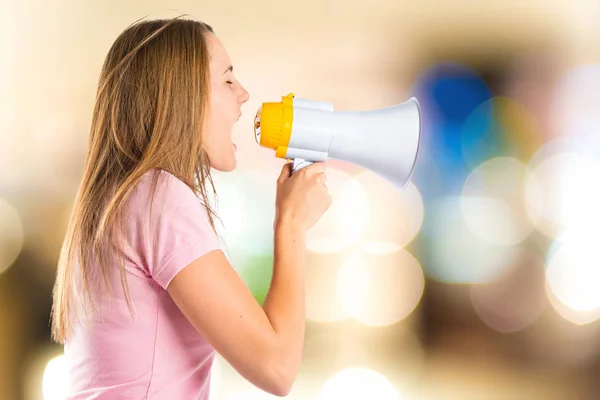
pixel 316 167
pixel 316 170
pixel 286 172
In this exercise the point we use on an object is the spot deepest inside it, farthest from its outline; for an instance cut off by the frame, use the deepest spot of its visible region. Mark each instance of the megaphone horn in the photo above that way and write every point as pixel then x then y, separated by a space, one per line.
pixel 384 141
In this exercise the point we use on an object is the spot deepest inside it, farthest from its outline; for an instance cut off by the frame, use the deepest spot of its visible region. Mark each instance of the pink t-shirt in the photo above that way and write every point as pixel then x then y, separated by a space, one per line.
pixel 157 354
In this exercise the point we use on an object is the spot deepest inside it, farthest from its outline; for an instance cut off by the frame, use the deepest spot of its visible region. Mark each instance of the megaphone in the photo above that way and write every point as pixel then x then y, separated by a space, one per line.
pixel 384 141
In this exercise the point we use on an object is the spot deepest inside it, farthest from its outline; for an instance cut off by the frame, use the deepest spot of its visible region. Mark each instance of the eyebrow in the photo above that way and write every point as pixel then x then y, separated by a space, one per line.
pixel 228 69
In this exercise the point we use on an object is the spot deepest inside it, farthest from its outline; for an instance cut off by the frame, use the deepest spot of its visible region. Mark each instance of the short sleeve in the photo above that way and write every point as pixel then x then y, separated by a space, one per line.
pixel 179 231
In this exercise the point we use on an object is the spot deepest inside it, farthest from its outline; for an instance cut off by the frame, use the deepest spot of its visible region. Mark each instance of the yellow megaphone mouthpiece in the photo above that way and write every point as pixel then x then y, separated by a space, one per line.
pixel 273 125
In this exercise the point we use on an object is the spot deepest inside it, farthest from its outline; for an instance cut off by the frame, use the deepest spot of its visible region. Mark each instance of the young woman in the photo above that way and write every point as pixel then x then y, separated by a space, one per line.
pixel 144 296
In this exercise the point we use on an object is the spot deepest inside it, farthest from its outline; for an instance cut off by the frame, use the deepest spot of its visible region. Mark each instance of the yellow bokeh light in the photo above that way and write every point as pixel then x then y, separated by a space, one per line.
pixel 519 126
pixel 513 122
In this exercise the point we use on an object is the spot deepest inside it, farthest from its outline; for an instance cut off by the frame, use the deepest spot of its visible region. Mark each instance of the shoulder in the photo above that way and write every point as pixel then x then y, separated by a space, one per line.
pixel 162 191
pixel 170 225
pixel 161 196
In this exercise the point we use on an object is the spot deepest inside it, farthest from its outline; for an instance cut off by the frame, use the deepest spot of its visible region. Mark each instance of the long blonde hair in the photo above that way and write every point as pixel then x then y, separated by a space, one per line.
pixel 149 114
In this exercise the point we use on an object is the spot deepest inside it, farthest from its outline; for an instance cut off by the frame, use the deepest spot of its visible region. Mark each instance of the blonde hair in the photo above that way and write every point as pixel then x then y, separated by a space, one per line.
pixel 149 114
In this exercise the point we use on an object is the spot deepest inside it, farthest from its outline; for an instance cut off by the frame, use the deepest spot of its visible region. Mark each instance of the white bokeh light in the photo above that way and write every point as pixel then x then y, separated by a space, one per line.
pixel 455 254
pixel 380 289
pixel 395 216
pixel 11 234
pixel 258 190
pixel 580 200
pixel 230 206
pixel 322 278
pixel 55 381
pixel 251 394
pixel 381 247
pixel 353 284
pixel 575 105
pixel 573 277
pixel 10 173
pixel 570 192
pixel 358 383
pixel 215 379
pixel 493 201
pixel 343 224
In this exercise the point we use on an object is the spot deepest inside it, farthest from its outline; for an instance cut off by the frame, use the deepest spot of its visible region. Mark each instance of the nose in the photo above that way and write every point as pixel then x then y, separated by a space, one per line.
pixel 244 96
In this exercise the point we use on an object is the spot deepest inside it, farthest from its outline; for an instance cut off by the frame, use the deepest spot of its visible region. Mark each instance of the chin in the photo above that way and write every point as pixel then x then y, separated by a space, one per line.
pixel 225 167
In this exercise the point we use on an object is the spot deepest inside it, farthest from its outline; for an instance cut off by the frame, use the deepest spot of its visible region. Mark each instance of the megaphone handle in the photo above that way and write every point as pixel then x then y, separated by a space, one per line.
pixel 299 163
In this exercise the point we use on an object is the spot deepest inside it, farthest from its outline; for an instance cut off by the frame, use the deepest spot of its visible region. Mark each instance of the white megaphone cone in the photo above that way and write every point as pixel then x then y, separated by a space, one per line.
pixel 384 141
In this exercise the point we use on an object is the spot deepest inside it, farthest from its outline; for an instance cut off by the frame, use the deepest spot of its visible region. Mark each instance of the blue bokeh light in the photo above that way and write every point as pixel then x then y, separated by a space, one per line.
pixel 448 94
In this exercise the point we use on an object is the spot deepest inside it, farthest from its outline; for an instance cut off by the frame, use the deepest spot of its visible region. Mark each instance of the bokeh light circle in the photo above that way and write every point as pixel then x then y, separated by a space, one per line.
pixel 575 105
pixel 499 127
pixel 358 383
pixel 448 93
pixel 55 380
pixel 573 281
pixel 380 288
pixel 395 216
pixel 344 222
pixel 11 234
pixel 215 378
pixel 251 394
pixel 322 277
pixel 516 298
pixel 565 195
pixel 453 253
pixel 493 201
pixel 256 206
pixel 230 206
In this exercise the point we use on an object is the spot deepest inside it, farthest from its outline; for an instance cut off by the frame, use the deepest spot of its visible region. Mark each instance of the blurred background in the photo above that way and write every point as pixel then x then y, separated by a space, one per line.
pixel 481 280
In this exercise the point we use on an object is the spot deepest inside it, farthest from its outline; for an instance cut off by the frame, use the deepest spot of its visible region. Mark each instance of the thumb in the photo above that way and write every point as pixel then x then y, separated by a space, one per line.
pixel 286 172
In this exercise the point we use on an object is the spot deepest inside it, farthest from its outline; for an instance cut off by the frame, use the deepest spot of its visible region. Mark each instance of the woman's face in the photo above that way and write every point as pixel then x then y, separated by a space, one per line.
pixel 226 98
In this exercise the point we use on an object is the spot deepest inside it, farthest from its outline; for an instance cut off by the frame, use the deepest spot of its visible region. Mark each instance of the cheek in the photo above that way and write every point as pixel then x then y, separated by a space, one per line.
pixel 226 100
pixel 221 118
pixel 221 108
pixel 214 117
pixel 217 137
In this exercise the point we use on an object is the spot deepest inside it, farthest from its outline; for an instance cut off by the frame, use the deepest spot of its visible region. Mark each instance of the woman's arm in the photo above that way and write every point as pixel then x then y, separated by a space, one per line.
pixel 263 344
